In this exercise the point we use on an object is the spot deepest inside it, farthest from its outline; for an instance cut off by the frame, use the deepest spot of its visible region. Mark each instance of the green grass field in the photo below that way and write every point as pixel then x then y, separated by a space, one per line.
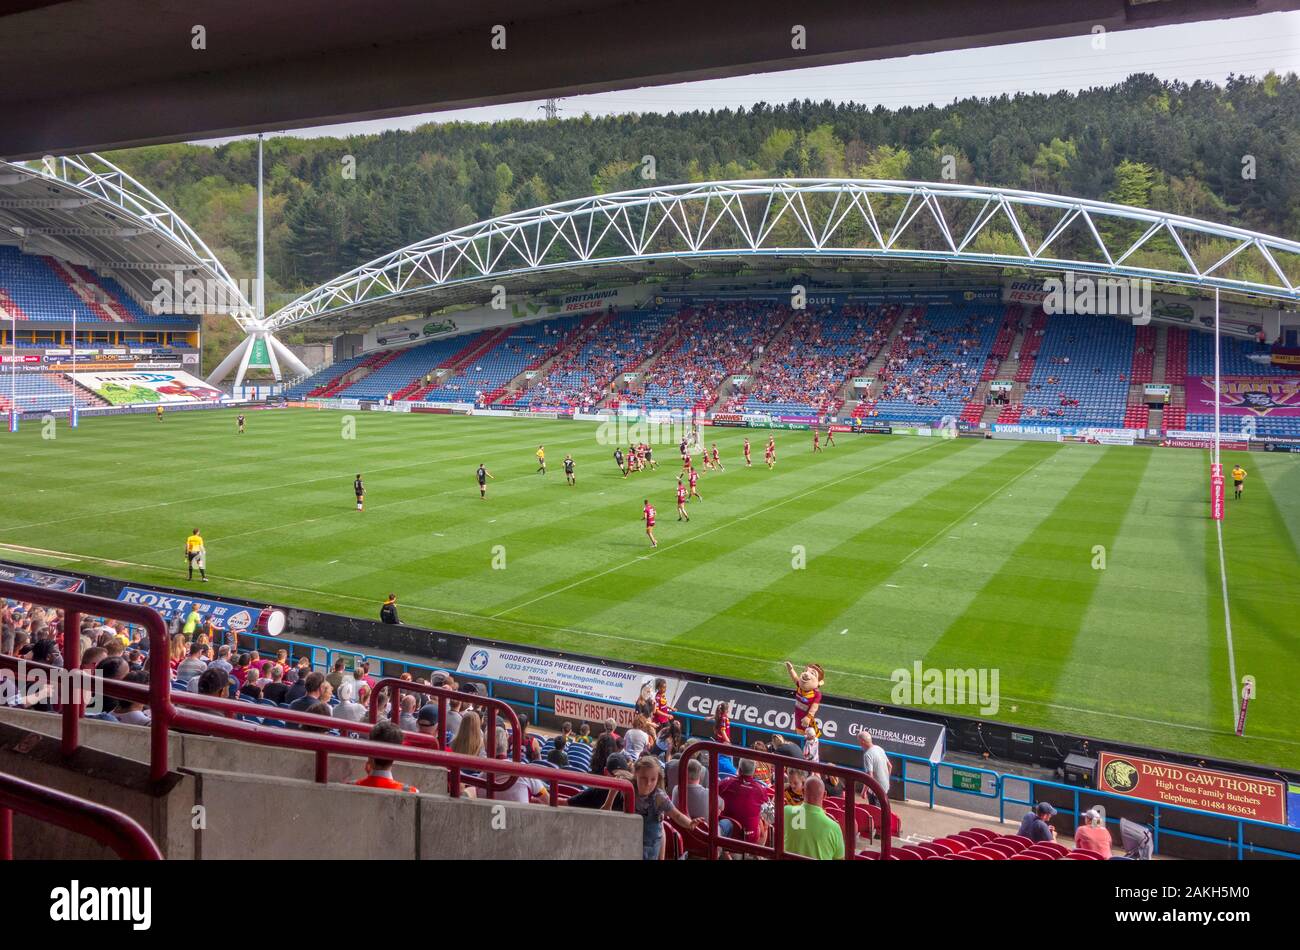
pixel 955 553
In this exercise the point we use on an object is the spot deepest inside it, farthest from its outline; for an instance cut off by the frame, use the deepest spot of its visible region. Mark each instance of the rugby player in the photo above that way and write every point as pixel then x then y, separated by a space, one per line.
pixel 568 470
pixel 681 501
pixel 483 475
pixel 648 512
pixel 359 490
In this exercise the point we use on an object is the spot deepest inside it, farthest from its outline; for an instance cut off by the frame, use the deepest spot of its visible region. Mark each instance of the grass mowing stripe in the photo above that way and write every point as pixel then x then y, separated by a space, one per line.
pixel 833 579
pixel 1016 608
pixel 732 523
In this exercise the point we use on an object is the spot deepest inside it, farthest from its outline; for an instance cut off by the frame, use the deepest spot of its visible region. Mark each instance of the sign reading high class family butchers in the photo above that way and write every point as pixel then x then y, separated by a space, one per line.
pixel 1241 796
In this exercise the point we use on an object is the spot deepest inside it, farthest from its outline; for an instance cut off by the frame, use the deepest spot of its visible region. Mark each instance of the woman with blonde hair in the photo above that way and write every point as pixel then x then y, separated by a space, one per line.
pixel 469 737
pixel 180 649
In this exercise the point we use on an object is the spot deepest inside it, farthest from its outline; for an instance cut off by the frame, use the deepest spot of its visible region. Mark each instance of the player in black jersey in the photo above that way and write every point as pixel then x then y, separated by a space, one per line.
pixel 483 475
pixel 240 422
pixel 618 460
pixel 360 490
pixel 568 470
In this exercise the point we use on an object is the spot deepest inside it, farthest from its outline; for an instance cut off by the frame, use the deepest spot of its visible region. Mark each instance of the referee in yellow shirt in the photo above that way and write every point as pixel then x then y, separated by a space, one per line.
pixel 1238 476
pixel 195 555
pixel 541 459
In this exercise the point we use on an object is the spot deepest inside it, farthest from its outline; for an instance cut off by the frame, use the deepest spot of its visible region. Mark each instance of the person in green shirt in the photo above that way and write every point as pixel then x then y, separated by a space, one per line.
pixel 191 622
pixel 809 831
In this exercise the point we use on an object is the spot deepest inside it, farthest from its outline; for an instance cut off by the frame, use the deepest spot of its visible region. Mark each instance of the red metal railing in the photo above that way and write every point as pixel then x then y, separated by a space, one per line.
pixel 166 715
pixel 395 686
pixel 110 828
pixel 715 840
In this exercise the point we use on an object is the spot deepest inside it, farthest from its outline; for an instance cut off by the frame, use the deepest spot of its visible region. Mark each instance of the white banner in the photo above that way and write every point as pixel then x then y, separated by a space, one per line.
pixel 144 387
pixel 610 684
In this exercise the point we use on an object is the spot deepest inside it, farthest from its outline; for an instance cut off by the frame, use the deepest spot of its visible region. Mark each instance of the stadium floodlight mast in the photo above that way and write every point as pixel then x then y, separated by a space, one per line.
pixel 259 349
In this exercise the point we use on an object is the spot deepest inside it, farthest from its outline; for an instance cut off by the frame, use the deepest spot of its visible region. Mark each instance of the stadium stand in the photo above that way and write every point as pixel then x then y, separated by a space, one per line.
pixel 43 289
pixel 805 368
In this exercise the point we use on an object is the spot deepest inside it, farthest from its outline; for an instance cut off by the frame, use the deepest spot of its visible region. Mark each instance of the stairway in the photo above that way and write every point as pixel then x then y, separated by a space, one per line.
pixel 87 293
pixel 576 339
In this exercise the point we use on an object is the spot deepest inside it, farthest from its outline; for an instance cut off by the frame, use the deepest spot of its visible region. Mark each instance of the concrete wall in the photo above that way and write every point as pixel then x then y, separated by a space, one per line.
pixel 465 829
pixel 110 780
pixel 223 755
pixel 219 803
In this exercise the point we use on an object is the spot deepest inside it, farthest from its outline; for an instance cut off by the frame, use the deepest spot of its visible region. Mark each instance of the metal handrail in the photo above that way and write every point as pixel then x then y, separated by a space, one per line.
pixel 109 827
pixel 165 715
pixel 713 840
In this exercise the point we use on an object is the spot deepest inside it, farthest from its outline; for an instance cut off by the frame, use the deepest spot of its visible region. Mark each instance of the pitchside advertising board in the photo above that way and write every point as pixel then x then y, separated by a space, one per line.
pixel 1238 796
pixel 136 388
pixel 226 617
pixel 596 692
pixel 25 575
pixel 924 740
pixel 606 684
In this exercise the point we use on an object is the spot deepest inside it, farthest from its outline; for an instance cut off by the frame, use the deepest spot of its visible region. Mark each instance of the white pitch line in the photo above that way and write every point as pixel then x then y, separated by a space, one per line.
pixel 696 537
pixel 1227 625
pixel 100 515
pixel 657 644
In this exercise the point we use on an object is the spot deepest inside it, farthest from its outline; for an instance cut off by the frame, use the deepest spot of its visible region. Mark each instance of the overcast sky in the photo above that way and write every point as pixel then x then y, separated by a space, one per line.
pixel 1209 50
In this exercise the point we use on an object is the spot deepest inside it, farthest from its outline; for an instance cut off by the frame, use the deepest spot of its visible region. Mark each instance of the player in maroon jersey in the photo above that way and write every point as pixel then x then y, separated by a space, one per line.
pixel 695 480
pixel 681 501
pixel 748 462
pixel 830 437
pixel 717 462
pixel 769 453
pixel 648 513
pixel 817 440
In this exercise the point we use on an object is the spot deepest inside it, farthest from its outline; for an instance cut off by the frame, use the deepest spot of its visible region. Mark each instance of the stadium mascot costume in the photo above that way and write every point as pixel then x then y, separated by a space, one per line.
pixel 807 696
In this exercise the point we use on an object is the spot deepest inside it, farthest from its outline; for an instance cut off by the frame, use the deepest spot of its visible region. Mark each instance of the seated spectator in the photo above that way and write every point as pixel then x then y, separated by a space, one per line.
pixel 1036 825
pixel 1092 834
pixel 214 683
pixel 251 690
pixel 469 737
pixel 311 689
pixel 525 789
pixel 348 708
pixel 616 765
pixel 697 795
pixel 408 721
pixel 809 831
pixel 193 664
pixel 742 800
pixel 134 713
pixel 319 709
pixel 379 772
pixel 277 689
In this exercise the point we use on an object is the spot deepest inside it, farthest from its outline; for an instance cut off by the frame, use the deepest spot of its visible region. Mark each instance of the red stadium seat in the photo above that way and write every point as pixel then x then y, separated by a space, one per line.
pixel 953 844
pixel 989 853
pixel 1084 856
pixel 980 834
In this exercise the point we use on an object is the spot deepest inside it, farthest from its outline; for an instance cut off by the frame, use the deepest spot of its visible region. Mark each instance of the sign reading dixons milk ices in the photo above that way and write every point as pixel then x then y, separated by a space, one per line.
pixel 227 617
pixel 609 683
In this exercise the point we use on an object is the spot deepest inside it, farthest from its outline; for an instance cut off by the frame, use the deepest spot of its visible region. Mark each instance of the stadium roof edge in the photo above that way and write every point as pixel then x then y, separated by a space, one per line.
pixel 702 221
pixel 264 67
pixel 85 209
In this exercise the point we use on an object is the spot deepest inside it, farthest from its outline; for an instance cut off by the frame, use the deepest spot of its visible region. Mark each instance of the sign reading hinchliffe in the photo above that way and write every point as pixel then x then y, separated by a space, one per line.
pixel 1240 796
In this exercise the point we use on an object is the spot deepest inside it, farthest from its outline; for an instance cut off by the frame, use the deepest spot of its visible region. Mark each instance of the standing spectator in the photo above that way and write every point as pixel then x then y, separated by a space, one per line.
pixel 875 762
pixel 809 831
pixel 1036 825
pixel 653 805
pixel 337 675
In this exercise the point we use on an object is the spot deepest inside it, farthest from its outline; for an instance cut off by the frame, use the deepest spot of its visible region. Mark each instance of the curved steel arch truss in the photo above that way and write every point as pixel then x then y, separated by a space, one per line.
pixel 830 218
pixel 94 175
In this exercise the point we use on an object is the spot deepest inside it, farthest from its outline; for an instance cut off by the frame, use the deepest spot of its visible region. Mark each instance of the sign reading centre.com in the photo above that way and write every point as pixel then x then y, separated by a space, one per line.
pixel 1239 796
